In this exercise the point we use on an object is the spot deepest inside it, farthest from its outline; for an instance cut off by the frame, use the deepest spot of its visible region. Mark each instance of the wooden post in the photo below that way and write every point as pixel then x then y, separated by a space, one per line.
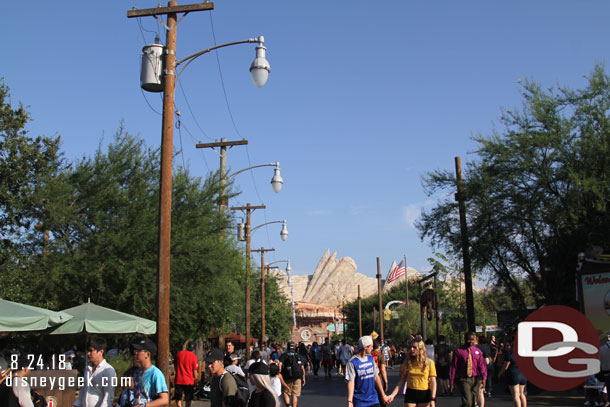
pixel 438 323
pixel 165 199
pixel 422 318
pixel 262 251
pixel 223 144
pixel 165 187
pixel 459 197
pixel 380 300
pixel 248 208
pixel 359 313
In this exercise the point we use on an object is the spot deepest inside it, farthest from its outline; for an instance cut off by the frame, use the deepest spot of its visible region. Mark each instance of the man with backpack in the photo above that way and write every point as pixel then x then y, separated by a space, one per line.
pixel 226 389
pixel 293 373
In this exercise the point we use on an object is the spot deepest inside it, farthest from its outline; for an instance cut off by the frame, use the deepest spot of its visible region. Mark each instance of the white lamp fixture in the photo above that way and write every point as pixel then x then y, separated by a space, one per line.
pixel 260 67
pixel 288 268
pixel 277 181
pixel 284 232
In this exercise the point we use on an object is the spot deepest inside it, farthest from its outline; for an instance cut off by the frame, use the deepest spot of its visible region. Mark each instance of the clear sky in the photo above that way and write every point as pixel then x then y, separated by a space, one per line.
pixel 363 98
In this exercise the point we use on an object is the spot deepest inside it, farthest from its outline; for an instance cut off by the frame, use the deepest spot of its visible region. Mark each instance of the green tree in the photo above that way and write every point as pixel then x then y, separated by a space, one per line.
pixel 26 163
pixel 539 189
pixel 102 213
pixel 278 310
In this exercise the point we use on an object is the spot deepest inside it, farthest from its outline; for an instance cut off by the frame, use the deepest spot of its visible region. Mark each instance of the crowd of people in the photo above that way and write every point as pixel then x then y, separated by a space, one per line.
pixel 274 375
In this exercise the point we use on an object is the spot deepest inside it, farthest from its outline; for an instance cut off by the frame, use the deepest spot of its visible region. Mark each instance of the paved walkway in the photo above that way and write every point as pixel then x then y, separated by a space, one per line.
pixel 323 391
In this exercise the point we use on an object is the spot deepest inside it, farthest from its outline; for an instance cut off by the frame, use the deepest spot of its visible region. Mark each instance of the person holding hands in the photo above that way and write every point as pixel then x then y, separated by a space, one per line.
pixel 420 374
pixel 362 376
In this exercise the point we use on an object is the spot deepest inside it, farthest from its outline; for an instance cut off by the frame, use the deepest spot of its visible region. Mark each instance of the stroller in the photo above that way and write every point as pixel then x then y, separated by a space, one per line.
pixel 202 390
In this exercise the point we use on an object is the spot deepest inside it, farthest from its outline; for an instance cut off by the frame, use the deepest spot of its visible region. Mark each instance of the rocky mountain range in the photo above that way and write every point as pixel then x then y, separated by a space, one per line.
pixel 334 282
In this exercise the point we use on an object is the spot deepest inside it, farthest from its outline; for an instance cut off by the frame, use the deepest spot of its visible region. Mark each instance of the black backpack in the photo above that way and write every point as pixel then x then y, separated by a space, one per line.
pixel 291 369
pixel 243 392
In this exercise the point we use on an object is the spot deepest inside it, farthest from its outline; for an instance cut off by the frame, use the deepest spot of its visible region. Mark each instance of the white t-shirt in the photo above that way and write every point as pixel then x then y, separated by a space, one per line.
pixel 276 383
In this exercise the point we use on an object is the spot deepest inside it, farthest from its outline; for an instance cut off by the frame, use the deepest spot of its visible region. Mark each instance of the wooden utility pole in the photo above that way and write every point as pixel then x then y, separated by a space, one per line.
pixel 223 144
pixel 165 196
pixel 422 318
pixel 359 313
pixel 459 197
pixel 438 322
pixel 262 251
pixel 379 293
pixel 248 208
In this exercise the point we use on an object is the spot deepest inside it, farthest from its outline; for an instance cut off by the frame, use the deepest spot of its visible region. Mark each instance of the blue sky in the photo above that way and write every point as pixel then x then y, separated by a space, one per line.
pixel 362 100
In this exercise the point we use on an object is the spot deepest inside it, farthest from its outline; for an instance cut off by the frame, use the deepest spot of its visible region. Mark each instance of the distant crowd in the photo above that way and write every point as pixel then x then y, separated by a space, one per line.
pixel 275 374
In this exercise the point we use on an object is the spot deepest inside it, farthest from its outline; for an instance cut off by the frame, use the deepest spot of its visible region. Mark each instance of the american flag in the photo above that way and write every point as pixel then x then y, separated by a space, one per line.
pixel 397 272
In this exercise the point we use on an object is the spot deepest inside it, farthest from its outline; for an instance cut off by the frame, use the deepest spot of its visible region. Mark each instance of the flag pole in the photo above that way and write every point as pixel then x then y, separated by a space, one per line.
pixel 406 279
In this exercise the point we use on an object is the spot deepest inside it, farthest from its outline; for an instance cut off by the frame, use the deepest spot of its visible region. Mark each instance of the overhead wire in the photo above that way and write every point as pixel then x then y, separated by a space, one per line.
pixel 177 125
pixel 188 105
pixel 234 124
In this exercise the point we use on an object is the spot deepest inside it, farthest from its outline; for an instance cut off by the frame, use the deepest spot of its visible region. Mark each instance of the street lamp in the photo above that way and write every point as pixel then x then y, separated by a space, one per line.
pixel 276 181
pixel 160 76
pixel 283 232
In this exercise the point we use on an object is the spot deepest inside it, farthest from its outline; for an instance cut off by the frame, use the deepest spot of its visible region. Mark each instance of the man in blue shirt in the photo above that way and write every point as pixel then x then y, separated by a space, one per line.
pixel 362 375
pixel 150 388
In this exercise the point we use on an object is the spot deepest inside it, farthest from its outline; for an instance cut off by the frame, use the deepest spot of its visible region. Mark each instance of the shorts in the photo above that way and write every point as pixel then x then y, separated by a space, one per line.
pixel 442 372
pixel 418 396
pixel 327 362
pixel 294 388
pixel 187 389
pixel 515 378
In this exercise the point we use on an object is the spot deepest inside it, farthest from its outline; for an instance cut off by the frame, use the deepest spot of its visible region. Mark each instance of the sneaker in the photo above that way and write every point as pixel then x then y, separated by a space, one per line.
pixel 587 403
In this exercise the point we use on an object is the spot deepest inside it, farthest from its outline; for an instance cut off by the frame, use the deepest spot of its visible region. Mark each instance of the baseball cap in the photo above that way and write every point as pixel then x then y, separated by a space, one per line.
pixel 145 344
pixel 234 356
pixel 290 346
pixel 213 355
pixel 365 341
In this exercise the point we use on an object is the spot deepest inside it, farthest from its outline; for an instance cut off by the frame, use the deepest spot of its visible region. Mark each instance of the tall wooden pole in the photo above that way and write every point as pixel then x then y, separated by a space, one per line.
pixel 262 251
pixel 379 293
pixel 438 323
pixel 223 144
pixel 422 319
pixel 248 208
pixel 248 242
pixel 359 313
pixel 459 196
pixel 165 187
pixel 165 198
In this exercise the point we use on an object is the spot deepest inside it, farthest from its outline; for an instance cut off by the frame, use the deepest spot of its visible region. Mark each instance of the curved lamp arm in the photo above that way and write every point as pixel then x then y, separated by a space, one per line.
pixel 259 64
pixel 276 181
pixel 283 233
pixel 276 165
pixel 288 268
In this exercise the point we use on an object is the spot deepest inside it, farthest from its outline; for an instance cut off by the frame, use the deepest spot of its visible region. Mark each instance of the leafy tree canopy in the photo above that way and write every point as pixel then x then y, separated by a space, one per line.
pixel 538 191
pixel 89 230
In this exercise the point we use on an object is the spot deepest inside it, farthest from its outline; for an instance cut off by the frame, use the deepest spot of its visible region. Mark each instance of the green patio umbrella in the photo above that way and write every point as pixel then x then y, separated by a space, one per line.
pixel 91 318
pixel 16 317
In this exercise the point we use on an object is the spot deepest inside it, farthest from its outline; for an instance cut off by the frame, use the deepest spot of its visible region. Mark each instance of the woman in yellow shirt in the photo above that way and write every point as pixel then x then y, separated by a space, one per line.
pixel 420 374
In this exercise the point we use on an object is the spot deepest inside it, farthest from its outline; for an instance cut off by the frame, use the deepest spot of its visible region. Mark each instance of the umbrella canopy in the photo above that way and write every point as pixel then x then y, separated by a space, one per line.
pixel 238 338
pixel 16 317
pixel 92 318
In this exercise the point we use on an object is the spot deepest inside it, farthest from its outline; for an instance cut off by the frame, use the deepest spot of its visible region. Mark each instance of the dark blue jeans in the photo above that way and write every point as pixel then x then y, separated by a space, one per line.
pixel 490 375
